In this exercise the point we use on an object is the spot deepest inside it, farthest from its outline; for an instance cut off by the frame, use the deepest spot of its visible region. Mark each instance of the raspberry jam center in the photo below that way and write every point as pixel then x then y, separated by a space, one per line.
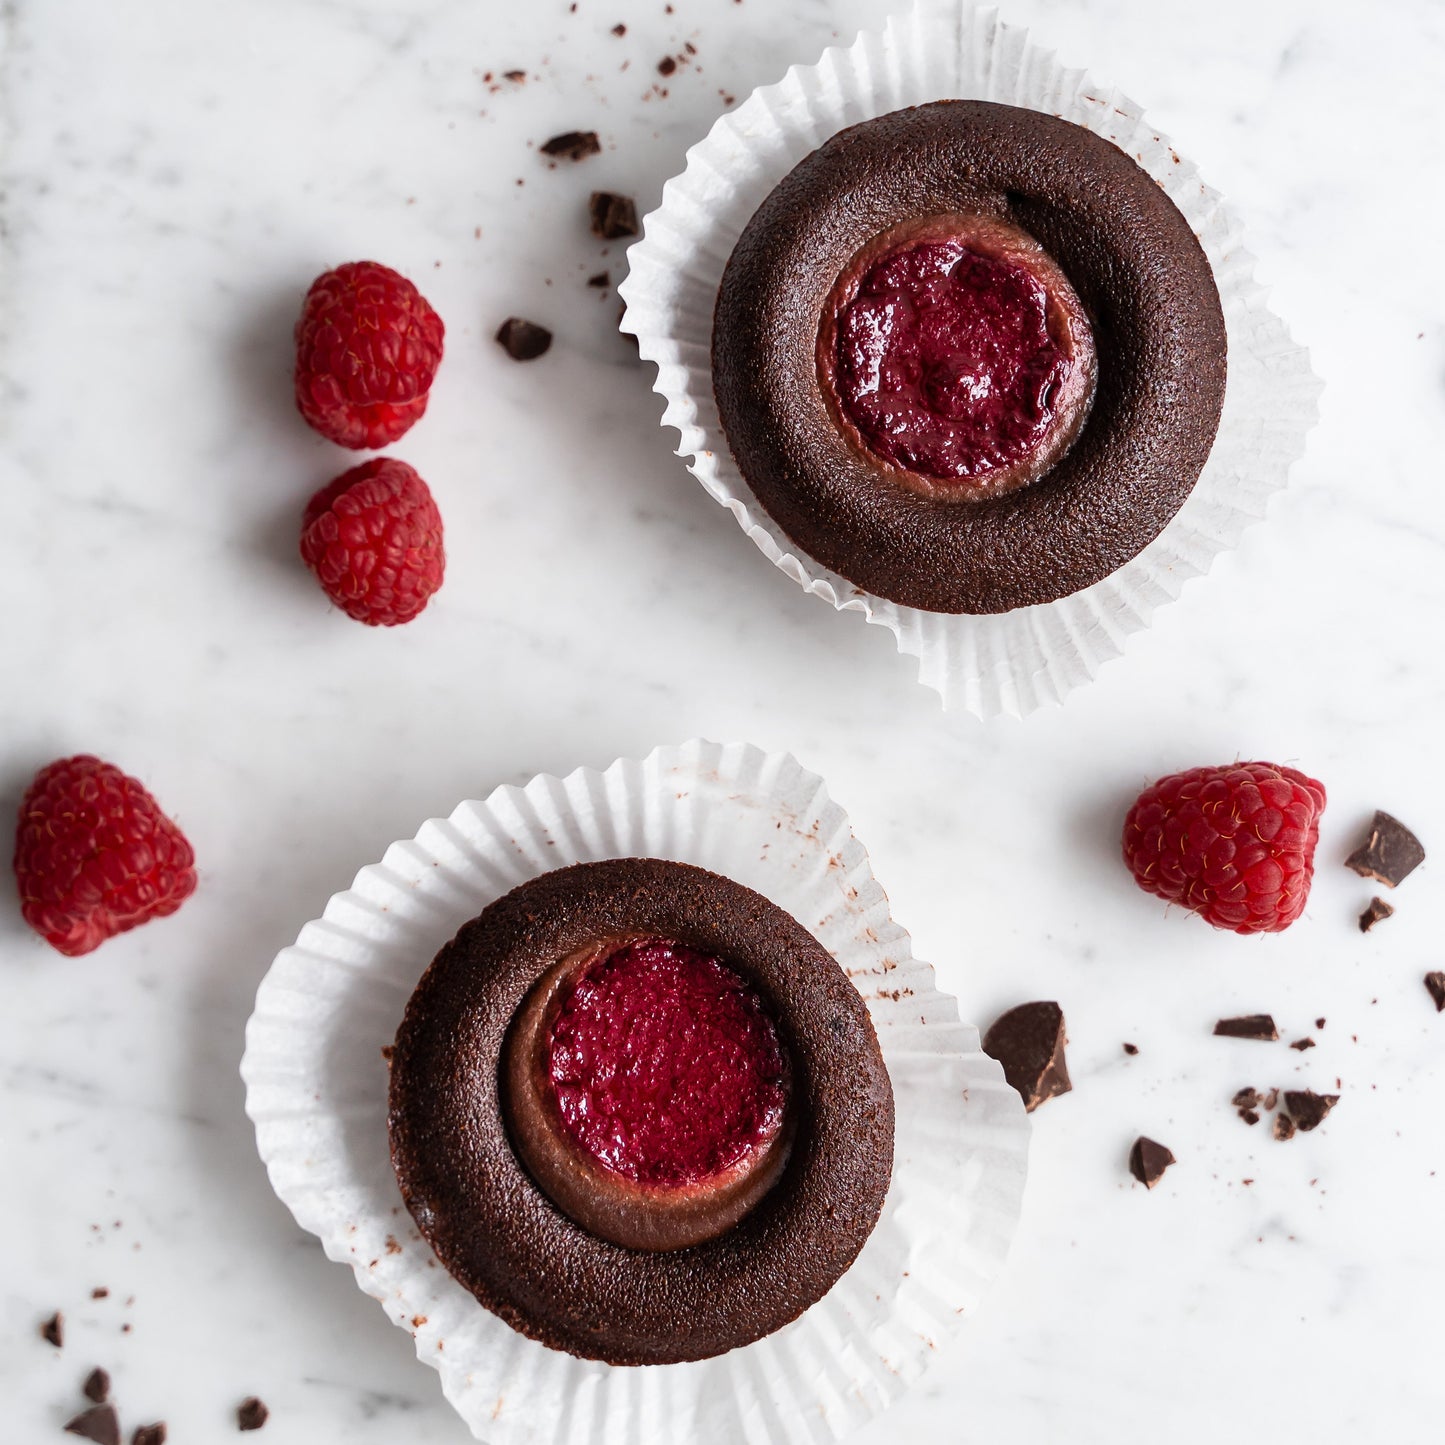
pixel 960 358
pixel 665 1065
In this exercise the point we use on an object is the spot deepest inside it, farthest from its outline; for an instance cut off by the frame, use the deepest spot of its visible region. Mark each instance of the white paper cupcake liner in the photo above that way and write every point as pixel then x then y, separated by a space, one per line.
pixel 987 665
pixel 316 1089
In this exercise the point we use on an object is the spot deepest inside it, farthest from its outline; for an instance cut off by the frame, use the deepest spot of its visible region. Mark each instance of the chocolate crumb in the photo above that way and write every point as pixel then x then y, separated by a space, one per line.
pixel 1435 982
pixel 1148 1161
pixel 1246 1099
pixel 515 76
pixel 1377 910
pixel 1283 1127
pixel 150 1434
pixel 1131 1049
pixel 523 340
pixel 572 145
pixel 1390 854
pixel 1248 1026
pixel 96 1386
pixel 251 1414
pixel 602 278
pixel 1271 1099
pixel 100 1423
pixel 99 1292
pixel 1303 1044
pixel 1319 1023
pixel 387 1050
pixel 666 65
pixel 619 29
pixel 53 1330
pixel 1029 1042
pixel 612 216
pixel 1309 1109
pixel 1249 1116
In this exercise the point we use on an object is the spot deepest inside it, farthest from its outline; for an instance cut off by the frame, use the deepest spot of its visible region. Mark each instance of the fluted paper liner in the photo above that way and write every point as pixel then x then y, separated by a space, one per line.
pixel 316 1089
pixel 987 665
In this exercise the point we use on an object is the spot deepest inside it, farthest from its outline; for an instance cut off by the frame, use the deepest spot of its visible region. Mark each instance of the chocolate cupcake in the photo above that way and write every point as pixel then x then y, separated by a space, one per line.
pixel 640 1113
pixel 969 356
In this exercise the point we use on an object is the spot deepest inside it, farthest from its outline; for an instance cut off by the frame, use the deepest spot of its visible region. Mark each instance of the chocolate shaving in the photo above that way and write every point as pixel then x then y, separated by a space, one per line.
pixel 1307 1108
pixel 1435 982
pixel 1248 1026
pixel 96 1386
pixel 1246 1099
pixel 572 145
pixel 1390 854
pixel 1029 1042
pixel 523 340
pixel 53 1330
pixel 251 1414
pixel 1148 1161
pixel 515 76
pixel 612 216
pixel 1303 1044
pixel 150 1434
pixel 1377 910
pixel 100 1423
pixel 1131 1049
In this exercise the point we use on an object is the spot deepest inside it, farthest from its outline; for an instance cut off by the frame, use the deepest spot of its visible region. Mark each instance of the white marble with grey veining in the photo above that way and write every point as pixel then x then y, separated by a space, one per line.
pixel 174 174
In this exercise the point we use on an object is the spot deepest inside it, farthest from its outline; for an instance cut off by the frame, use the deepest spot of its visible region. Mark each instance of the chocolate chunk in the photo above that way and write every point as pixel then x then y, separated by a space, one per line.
pixel 150 1434
pixel 1148 1161
pixel 572 145
pixel 1250 1026
pixel 1131 1049
pixel 1029 1042
pixel 1246 1099
pixel 1377 910
pixel 1303 1044
pixel 100 1423
pixel 251 1414
pixel 523 340
pixel 1435 982
pixel 1249 1116
pixel 666 65
pixel 97 1386
pixel 612 216
pixel 602 278
pixel 1307 1108
pixel 1283 1127
pixel 53 1330
pixel 1390 854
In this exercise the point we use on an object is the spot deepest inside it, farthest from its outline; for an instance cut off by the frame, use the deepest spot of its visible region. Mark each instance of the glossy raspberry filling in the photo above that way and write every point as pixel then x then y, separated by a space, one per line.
pixel 946 362
pixel 665 1065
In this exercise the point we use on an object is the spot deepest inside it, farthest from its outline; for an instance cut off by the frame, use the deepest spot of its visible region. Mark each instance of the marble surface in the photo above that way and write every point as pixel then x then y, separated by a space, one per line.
pixel 174 175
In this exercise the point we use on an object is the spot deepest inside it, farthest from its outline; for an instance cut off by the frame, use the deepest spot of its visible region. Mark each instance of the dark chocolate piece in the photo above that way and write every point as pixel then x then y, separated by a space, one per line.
pixel 523 340
pixel 1435 982
pixel 1148 1161
pixel 1029 1042
pixel 1248 1026
pixel 1307 1108
pixel 100 1423
pixel 1377 910
pixel 1131 1049
pixel 1249 1116
pixel 666 65
pixel 1390 854
pixel 53 1330
pixel 97 1386
pixel 251 1414
pixel 612 216
pixel 572 145
pixel 1246 1099
pixel 1303 1044
pixel 602 278
pixel 150 1434
pixel 1283 1127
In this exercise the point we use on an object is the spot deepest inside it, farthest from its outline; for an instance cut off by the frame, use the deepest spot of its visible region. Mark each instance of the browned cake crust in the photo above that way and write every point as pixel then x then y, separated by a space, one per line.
pixel 525 1260
pixel 1158 329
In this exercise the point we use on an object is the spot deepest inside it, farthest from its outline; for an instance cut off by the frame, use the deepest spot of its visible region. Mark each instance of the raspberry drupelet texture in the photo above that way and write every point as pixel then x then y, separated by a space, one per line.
pixel 373 537
pixel 1235 845
pixel 367 348
pixel 95 856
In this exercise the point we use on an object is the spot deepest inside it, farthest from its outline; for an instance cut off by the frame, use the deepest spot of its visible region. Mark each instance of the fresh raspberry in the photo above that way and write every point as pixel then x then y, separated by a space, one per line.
pixel 95 856
pixel 373 537
pixel 1234 844
pixel 367 348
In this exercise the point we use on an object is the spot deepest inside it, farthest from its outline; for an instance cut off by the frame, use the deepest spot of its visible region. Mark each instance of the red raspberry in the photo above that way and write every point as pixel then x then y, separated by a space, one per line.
pixel 94 855
pixel 1235 844
pixel 367 348
pixel 373 537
